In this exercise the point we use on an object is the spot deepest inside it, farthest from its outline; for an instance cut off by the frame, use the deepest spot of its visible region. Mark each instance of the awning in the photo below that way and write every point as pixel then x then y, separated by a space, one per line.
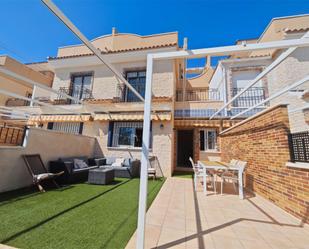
pixel 205 123
pixel 132 116
pixel 59 118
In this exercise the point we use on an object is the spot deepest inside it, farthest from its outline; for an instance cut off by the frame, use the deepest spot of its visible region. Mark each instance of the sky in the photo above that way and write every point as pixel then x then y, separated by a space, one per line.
pixel 29 32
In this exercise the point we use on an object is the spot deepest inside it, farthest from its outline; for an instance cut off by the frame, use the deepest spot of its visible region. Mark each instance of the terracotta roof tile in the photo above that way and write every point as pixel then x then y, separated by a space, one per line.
pixel 114 51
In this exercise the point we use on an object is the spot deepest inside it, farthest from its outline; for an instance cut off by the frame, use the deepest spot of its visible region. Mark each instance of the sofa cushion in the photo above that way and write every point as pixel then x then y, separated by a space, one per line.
pixel 79 164
pixel 110 160
pixel 71 159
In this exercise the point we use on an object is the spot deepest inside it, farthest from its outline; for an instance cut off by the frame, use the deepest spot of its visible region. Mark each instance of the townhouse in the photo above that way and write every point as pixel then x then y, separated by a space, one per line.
pixel 182 106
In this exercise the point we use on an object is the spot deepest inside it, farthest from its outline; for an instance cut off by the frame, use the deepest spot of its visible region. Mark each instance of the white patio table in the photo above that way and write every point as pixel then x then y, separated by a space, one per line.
pixel 215 165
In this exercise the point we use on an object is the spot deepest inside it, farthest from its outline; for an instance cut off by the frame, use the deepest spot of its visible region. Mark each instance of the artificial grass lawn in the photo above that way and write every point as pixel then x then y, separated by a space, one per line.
pixel 183 174
pixel 79 216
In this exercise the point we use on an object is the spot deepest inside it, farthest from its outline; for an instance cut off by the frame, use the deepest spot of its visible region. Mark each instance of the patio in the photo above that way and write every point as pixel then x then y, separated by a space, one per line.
pixel 182 218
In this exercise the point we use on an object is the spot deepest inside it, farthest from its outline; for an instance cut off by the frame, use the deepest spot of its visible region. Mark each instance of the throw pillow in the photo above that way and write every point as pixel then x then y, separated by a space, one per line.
pixel 118 162
pixel 79 164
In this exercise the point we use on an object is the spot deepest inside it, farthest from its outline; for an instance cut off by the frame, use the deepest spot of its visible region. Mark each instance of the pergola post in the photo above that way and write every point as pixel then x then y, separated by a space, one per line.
pixel 145 157
pixel 33 96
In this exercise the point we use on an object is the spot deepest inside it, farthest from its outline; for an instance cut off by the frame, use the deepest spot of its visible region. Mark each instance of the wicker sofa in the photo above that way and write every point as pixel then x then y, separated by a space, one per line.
pixel 129 169
pixel 71 174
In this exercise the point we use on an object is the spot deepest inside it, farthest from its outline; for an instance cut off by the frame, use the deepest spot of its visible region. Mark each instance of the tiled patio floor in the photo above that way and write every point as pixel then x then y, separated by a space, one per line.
pixel 182 218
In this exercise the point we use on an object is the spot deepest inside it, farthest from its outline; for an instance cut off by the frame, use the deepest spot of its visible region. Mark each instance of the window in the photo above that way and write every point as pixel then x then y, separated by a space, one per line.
pixel 125 134
pixel 208 139
pixel 81 86
pixel 137 79
pixel 68 127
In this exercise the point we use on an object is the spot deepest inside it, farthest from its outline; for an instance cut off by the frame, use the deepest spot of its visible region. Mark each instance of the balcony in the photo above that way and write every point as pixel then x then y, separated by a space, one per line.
pixel 79 93
pixel 13 102
pixel 249 98
pixel 199 94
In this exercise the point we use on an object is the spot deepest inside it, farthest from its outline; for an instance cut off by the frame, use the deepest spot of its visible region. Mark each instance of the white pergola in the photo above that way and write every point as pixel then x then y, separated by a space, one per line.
pixel 290 45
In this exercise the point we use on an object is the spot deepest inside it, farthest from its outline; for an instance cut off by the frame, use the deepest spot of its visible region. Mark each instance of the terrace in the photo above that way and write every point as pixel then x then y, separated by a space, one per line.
pixel 90 216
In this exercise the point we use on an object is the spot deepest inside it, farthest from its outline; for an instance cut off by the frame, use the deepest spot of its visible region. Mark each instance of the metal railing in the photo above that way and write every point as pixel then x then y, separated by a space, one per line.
pixel 299 146
pixel 249 98
pixel 126 95
pixel 11 136
pixel 199 94
pixel 80 93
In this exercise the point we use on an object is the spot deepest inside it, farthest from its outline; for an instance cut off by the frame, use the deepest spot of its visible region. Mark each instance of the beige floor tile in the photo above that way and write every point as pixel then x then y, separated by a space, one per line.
pixel 199 241
pixel 172 238
pixel 276 240
pixel 247 233
pixel 255 244
pixel 6 247
pixel 222 242
pixel 300 241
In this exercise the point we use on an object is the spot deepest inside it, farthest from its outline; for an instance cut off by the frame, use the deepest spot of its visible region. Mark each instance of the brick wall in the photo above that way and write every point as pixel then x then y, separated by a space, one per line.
pixel 262 141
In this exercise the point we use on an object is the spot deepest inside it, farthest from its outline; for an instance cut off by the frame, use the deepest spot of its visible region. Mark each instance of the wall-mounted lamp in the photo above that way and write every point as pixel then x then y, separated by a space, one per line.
pixel 161 126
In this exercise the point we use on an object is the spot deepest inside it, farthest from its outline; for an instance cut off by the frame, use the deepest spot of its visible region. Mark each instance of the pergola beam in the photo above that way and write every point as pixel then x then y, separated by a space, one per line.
pixel 228 50
pixel 15 110
pixel 57 12
pixel 14 113
pixel 12 116
pixel 14 95
pixel 276 95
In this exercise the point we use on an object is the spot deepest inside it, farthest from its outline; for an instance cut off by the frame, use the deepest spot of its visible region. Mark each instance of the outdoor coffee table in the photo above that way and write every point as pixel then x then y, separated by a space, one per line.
pixel 206 165
pixel 101 176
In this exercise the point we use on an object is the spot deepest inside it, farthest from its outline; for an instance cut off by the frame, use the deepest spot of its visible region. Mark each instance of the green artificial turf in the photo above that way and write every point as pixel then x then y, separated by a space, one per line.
pixel 78 216
pixel 183 174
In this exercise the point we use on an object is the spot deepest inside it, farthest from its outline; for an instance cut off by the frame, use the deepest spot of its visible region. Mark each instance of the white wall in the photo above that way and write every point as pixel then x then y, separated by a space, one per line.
pixel 49 144
pixel 105 83
pixel 241 79
pixel 218 80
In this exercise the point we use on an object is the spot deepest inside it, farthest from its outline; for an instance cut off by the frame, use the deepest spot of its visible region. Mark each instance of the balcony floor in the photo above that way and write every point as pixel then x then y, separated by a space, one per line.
pixel 182 218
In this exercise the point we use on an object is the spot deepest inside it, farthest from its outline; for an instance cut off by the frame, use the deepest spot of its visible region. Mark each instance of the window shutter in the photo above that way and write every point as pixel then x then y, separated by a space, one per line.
pixel 110 134
pixel 50 125
pixel 202 140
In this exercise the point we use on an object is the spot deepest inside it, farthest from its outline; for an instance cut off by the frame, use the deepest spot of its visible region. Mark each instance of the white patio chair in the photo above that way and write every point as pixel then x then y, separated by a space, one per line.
pixel 231 174
pixel 199 173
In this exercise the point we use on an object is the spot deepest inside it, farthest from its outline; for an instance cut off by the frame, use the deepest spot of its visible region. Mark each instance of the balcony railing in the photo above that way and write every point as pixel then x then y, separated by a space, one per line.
pixel 249 98
pixel 79 93
pixel 198 95
pixel 126 95
pixel 12 136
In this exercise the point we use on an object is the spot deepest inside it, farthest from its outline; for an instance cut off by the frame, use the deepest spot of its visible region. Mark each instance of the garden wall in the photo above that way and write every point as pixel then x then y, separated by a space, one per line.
pixel 49 144
pixel 262 141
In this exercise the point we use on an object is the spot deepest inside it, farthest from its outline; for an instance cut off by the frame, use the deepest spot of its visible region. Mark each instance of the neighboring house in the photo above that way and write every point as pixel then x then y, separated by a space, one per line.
pixel 234 73
pixel 19 87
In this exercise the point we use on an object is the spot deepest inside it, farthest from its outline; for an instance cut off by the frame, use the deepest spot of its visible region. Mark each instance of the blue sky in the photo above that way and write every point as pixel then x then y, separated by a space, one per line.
pixel 29 32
